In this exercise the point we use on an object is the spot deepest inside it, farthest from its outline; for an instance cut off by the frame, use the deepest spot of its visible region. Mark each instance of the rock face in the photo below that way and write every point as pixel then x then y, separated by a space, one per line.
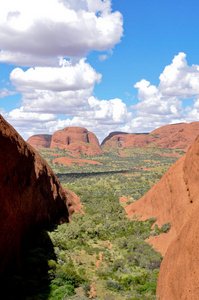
pixel 175 199
pixel 76 140
pixel 40 140
pixel 170 136
pixel 30 195
pixel 178 277
pixel 112 134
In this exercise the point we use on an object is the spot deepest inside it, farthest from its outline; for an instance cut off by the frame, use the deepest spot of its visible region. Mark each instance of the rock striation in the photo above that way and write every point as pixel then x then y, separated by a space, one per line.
pixel 169 136
pixel 40 140
pixel 31 196
pixel 175 199
pixel 77 140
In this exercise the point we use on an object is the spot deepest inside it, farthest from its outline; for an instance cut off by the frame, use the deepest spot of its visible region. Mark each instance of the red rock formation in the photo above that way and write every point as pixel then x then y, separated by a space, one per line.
pixel 176 136
pixel 170 136
pixel 175 199
pixel 179 273
pixel 76 140
pixel 112 134
pixel 30 195
pixel 126 140
pixel 40 140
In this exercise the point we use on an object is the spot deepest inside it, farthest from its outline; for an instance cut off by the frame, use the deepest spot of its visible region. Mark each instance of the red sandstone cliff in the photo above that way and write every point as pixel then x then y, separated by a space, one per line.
pixel 76 140
pixel 40 140
pixel 170 136
pixel 179 273
pixel 175 199
pixel 30 194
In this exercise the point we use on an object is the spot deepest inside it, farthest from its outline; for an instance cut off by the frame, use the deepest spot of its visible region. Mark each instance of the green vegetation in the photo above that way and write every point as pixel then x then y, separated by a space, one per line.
pixel 102 253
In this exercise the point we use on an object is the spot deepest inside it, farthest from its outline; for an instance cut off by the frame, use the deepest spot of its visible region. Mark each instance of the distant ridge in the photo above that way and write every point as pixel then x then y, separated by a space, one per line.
pixel 172 136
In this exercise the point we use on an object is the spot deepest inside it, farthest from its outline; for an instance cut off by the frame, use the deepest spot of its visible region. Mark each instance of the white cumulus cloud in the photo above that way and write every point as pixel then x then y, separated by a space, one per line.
pixel 62 90
pixel 163 104
pixel 67 89
pixel 179 79
pixel 69 76
pixel 35 33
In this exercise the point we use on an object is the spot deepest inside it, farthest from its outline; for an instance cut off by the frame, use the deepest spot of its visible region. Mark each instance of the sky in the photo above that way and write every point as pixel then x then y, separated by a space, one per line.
pixel 111 65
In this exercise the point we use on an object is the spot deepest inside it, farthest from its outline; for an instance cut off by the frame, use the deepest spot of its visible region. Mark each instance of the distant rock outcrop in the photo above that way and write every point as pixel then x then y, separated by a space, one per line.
pixel 112 134
pixel 77 140
pixel 30 195
pixel 40 140
pixel 175 199
pixel 169 136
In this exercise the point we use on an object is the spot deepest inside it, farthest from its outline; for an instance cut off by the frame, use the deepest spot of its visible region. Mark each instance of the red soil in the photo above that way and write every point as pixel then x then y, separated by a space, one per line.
pixel 68 161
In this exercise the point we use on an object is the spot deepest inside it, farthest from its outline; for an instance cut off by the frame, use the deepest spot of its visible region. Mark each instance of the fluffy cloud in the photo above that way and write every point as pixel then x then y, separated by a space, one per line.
pixel 36 32
pixel 153 101
pixel 100 117
pixel 179 79
pixel 67 90
pixel 163 104
pixel 106 112
pixel 62 90
pixel 69 76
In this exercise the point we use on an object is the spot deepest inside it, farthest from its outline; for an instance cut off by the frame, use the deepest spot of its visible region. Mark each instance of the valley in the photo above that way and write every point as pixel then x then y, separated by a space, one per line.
pixel 102 254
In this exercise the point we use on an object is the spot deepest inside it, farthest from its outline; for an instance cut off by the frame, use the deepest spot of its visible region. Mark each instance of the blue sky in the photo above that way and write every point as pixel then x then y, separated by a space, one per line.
pixel 129 65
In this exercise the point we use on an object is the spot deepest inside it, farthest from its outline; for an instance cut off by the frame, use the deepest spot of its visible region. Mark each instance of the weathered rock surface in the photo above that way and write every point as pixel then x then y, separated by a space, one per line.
pixel 175 199
pixel 77 140
pixel 40 140
pixel 179 273
pixel 170 136
pixel 30 195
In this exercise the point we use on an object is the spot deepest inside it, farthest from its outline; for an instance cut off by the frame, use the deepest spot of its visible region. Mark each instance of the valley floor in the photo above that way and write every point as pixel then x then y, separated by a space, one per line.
pixel 101 254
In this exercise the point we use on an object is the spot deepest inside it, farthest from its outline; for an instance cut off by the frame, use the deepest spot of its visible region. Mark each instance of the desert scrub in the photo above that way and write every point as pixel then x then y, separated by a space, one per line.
pixel 103 247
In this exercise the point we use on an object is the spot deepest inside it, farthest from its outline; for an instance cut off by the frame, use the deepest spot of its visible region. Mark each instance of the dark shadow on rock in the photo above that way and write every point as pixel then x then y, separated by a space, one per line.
pixel 30 280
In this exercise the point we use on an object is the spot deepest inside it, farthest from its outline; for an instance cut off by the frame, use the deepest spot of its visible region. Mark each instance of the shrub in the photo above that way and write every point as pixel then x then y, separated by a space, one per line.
pixel 86 287
pixel 148 287
pixel 114 285
pixel 59 292
pixel 166 227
